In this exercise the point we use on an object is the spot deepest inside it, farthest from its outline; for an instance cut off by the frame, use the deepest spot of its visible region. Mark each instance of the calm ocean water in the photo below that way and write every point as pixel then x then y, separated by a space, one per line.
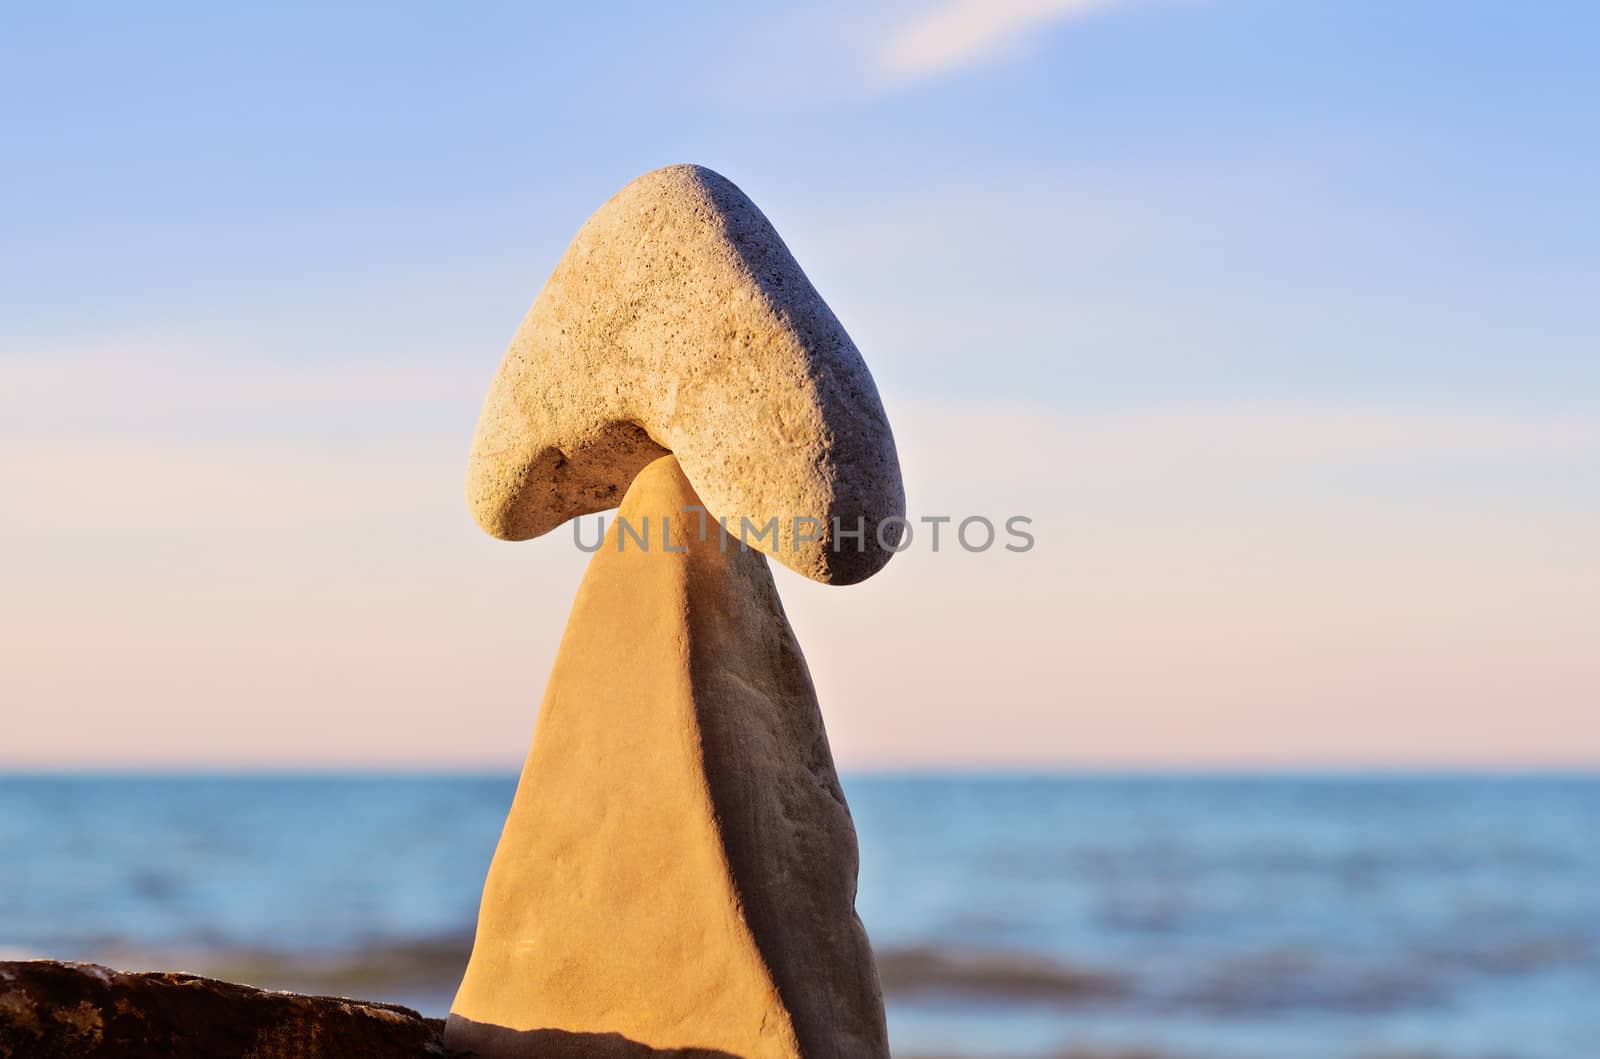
pixel 1181 918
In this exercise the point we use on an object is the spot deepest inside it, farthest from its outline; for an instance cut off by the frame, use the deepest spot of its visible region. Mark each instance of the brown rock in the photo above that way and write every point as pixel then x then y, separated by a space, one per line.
pixel 52 1010
pixel 678 867
pixel 678 321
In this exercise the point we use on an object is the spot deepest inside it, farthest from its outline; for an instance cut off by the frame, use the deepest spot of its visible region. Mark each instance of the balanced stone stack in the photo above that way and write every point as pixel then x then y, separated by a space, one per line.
pixel 677 873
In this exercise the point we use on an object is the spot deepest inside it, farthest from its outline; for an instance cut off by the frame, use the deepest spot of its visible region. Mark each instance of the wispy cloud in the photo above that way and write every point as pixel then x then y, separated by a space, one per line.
pixel 961 33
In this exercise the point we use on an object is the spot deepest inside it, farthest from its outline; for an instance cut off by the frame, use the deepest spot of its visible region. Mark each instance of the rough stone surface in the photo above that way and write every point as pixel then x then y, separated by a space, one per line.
pixel 678 868
pixel 678 321
pixel 52 1010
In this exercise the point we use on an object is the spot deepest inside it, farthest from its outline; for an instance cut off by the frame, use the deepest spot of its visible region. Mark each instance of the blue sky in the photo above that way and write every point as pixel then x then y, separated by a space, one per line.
pixel 1324 267
pixel 1372 199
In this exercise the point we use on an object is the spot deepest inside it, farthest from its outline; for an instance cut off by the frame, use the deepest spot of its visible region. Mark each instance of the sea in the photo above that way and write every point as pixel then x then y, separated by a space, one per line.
pixel 1014 916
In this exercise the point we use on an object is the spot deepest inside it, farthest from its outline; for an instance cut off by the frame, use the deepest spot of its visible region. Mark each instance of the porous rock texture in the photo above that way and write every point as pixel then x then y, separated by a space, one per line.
pixel 51 1010
pixel 677 873
pixel 678 321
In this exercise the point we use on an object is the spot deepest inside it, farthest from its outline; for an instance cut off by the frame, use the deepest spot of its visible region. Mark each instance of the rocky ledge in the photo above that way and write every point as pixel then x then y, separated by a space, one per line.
pixel 84 1011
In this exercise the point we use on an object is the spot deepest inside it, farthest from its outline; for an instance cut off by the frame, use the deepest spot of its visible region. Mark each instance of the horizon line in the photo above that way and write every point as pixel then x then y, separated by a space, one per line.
pixel 1345 771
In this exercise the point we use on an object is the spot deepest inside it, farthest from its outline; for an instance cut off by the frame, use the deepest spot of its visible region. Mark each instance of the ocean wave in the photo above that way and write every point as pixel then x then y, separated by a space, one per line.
pixel 402 967
pixel 990 974
pixel 1289 980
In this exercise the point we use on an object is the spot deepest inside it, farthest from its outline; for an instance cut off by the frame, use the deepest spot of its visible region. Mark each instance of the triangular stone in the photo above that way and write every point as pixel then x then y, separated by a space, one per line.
pixel 677 873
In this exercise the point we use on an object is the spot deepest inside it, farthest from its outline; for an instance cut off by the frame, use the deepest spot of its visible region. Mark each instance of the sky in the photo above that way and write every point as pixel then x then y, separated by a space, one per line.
pixel 1279 320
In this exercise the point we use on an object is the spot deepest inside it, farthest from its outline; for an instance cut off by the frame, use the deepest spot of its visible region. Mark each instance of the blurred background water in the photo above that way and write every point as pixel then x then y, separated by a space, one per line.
pixel 1035 917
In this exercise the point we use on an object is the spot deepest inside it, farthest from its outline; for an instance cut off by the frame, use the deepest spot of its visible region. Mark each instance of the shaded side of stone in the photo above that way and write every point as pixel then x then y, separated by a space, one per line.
pixel 84 1011
pixel 784 823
